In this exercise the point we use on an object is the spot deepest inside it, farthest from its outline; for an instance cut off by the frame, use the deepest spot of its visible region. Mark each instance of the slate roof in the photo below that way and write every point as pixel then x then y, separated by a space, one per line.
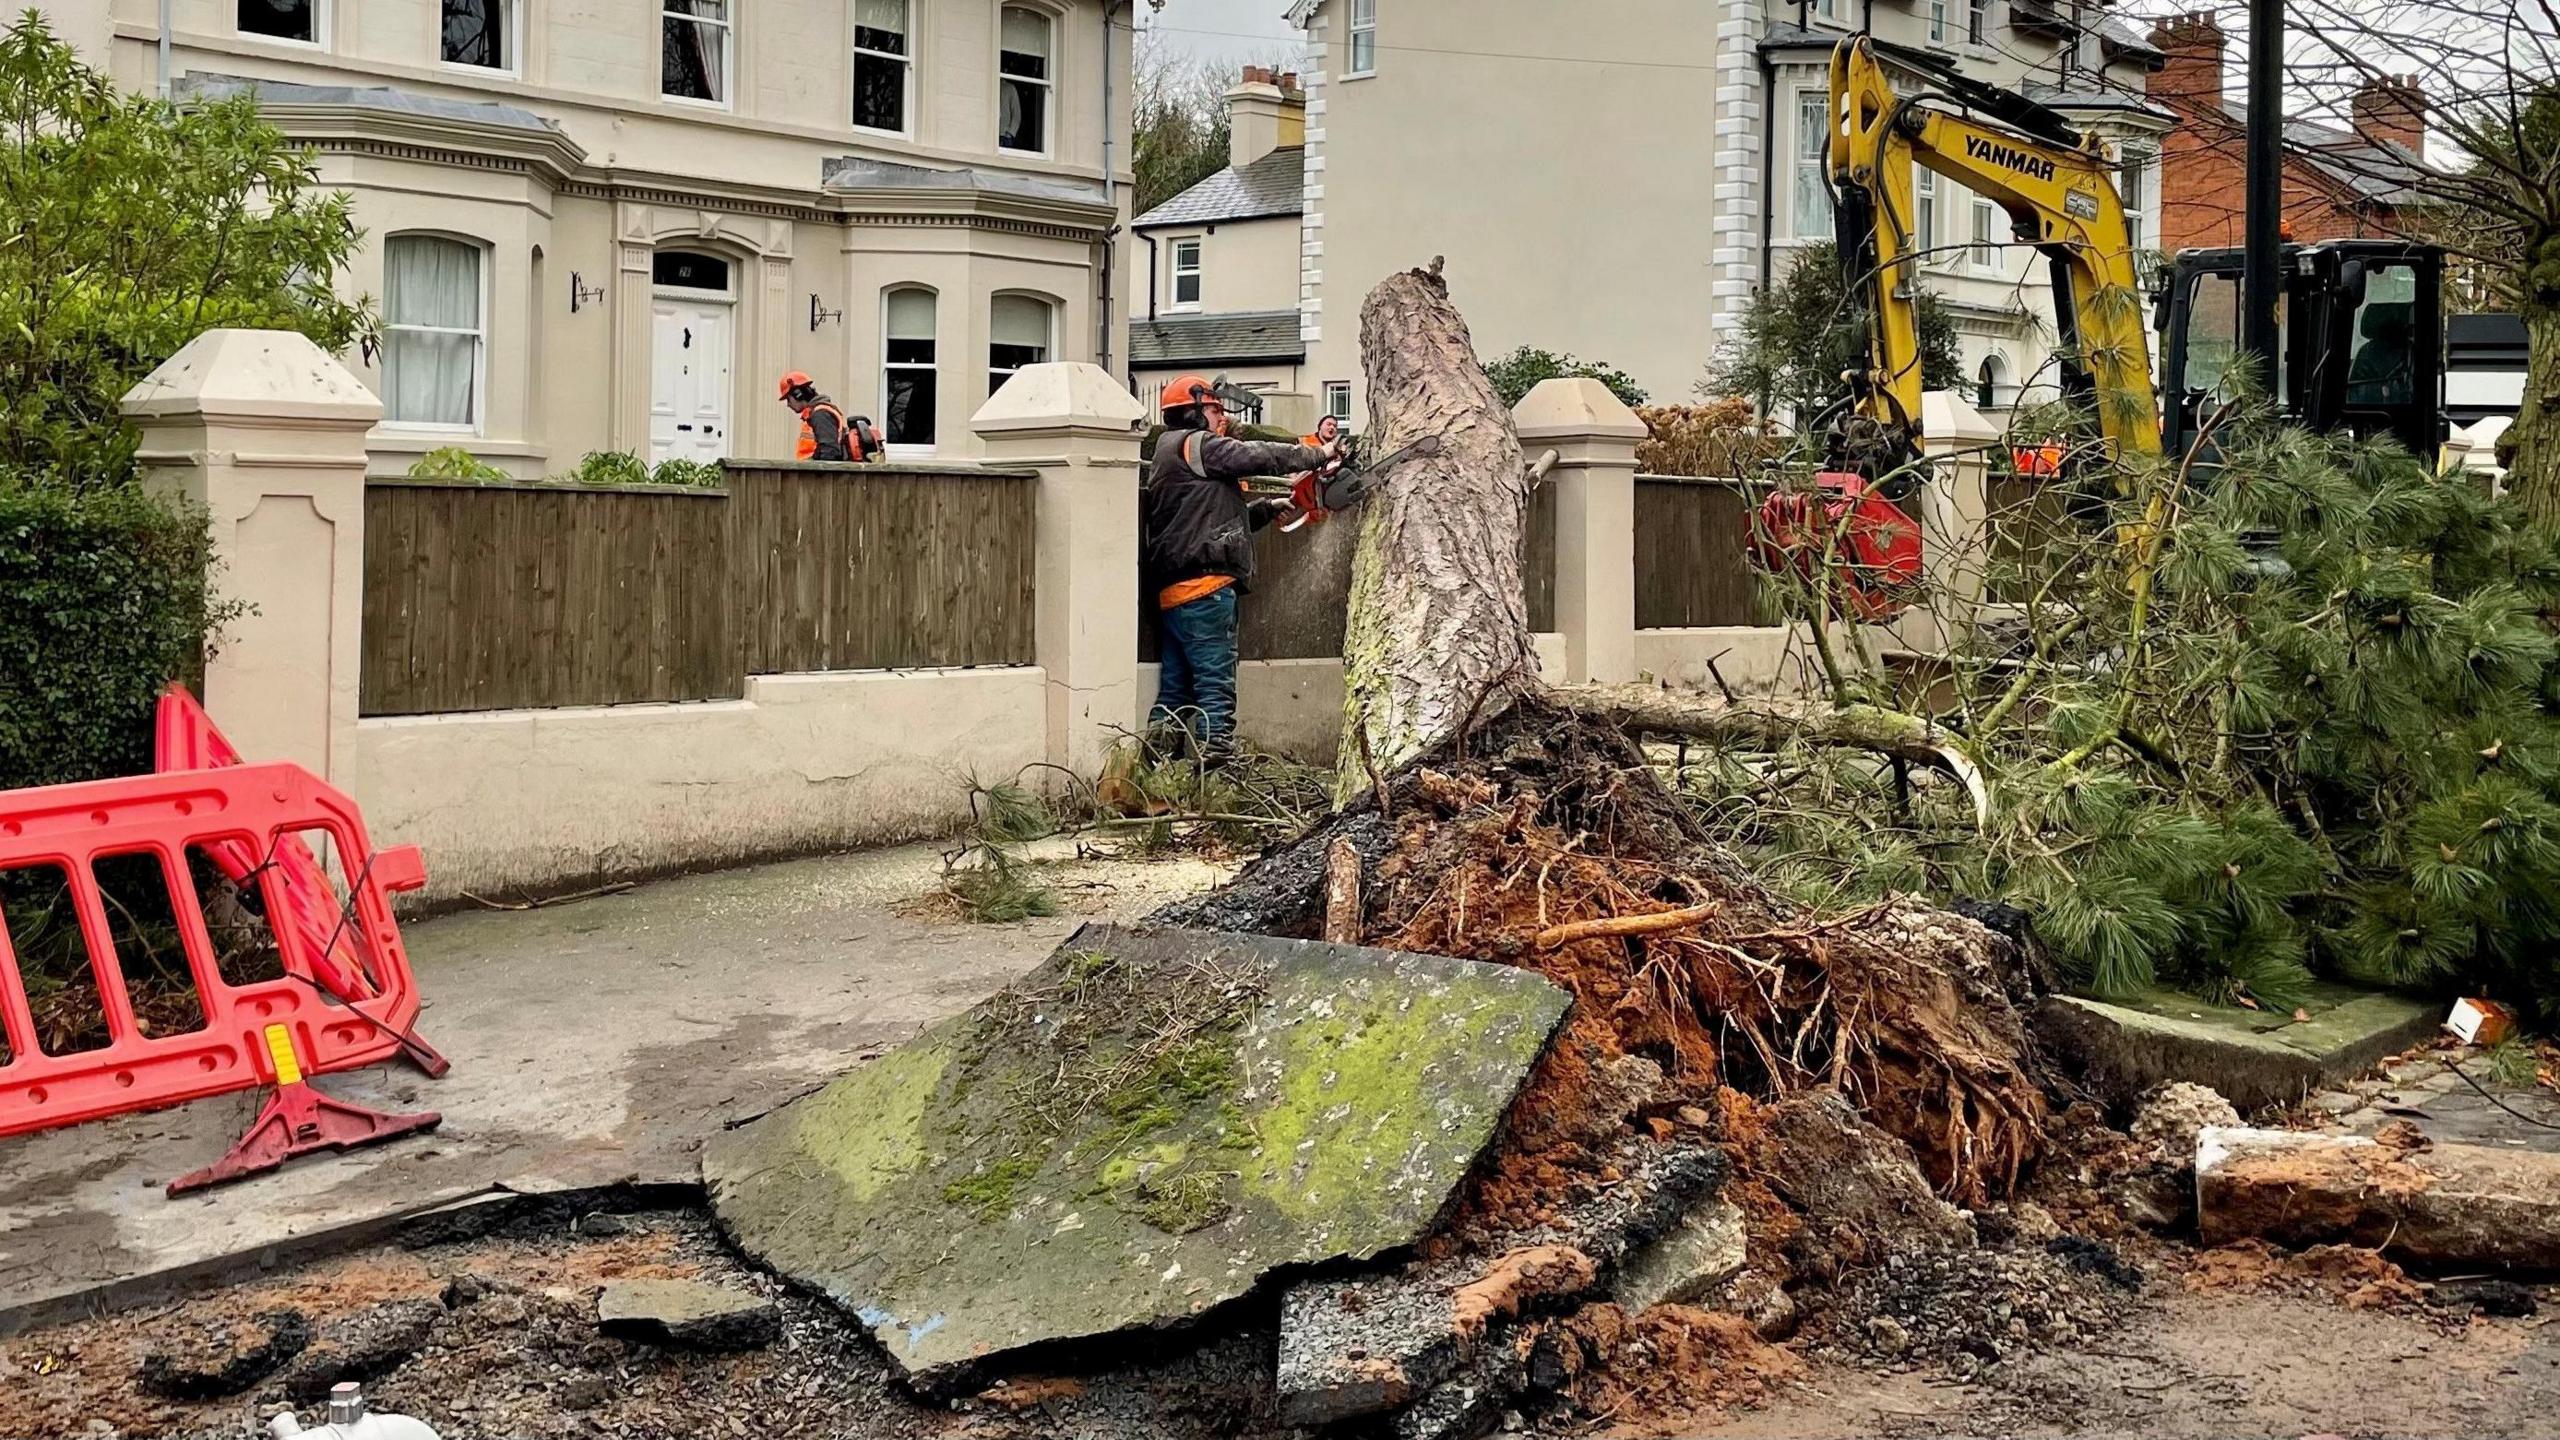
pixel 363 97
pixel 2379 171
pixel 1237 338
pixel 1276 184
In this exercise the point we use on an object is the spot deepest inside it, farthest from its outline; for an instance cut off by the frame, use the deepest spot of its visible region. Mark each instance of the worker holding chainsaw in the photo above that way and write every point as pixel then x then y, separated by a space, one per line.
pixel 1197 552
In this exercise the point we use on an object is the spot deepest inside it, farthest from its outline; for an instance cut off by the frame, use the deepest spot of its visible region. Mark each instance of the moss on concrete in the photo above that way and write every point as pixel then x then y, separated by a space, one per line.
pixel 869 1127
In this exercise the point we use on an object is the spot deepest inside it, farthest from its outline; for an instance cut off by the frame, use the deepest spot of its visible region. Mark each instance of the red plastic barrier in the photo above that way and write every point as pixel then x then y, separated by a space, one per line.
pixel 184 738
pixel 243 811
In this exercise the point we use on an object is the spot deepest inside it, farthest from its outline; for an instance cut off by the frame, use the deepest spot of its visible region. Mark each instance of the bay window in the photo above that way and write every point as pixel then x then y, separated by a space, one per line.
pixel 909 381
pixel 433 340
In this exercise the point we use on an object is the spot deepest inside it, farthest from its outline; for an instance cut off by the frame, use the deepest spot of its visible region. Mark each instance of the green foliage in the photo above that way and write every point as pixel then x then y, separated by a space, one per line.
pixel 2313 730
pixel 696 474
pixel 1178 123
pixel 103 601
pixel 1802 332
pixel 609 467
pixel 1001 890
pixel 135 227
pixel 452 462
pixel 1009 813
pixel 1518 373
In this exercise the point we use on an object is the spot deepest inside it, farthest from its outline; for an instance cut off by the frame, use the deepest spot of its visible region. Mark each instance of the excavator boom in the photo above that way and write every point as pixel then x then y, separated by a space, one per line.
pixel 2056 184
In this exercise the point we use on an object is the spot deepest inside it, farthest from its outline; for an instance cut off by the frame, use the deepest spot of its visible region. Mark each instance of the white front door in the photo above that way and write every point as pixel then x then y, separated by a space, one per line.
pixel 689 380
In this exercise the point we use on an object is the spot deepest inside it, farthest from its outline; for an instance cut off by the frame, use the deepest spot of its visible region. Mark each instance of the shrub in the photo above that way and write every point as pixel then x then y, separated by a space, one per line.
pixel 1719 439
pixel 1518 373
pixel 696 474
pixel 138 226
pixel 609 467
pixel 103 600
pixel 452 462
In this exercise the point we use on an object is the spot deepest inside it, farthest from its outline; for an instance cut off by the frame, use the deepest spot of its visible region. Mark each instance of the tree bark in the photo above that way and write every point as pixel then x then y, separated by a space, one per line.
pixel 1439 617
pixel 1342 892
pixel 2530 450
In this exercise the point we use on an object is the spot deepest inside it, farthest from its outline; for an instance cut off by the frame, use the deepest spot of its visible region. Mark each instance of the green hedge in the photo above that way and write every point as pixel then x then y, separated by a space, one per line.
pixel 103 600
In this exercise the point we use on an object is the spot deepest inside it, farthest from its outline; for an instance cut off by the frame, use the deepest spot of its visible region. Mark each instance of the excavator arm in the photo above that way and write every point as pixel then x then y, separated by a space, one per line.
pixel 2055 182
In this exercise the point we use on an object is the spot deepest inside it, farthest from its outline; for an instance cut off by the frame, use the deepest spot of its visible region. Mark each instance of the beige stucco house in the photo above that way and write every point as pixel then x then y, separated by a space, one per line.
pixel 1221 259
pixel 1620 185
pixel 612 224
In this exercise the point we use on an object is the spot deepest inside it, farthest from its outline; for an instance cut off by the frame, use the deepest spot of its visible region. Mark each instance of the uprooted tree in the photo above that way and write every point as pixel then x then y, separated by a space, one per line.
pixel 1493 820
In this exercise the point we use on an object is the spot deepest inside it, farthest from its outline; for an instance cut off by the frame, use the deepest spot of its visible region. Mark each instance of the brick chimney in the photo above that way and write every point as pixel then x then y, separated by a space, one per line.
pixel 2394 109
pixel 1265 112
pixel 2192 75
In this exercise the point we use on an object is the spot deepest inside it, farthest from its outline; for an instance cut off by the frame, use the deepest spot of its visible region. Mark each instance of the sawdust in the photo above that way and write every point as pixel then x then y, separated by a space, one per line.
pixel 2355 1277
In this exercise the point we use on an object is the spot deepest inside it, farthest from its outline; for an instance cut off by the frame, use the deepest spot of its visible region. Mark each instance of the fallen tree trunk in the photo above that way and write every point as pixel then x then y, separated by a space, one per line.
pixel 1651 709
pixel 1439 614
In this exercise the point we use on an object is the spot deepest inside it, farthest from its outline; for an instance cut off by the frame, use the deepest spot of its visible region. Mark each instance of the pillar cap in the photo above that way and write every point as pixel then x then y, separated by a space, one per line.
pixel 1947 415
pixel 1060 395
pixel 1574 405
pixel 253 374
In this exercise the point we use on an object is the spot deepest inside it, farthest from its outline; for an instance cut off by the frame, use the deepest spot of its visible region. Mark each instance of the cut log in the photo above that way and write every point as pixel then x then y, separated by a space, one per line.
pixel 1650 708
pixel 1439 613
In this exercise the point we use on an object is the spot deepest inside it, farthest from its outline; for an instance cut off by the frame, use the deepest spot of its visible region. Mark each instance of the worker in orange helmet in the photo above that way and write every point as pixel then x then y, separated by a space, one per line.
pixel 825 433
pixel 1197 552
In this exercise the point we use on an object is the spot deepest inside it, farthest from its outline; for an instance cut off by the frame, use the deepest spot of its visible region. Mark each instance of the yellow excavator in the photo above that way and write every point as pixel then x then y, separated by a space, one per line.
pixel 2362 319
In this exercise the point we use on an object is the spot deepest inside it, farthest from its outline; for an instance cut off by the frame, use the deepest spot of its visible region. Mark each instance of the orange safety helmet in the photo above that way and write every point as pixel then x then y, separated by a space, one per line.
pixel 1186 390
pixel 793 381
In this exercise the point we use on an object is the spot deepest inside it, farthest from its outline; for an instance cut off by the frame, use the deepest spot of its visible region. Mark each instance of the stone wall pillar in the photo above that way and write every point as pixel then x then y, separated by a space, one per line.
pixel 1080 429
pixel 1954 514
pixel 1594 436
pixel 266 431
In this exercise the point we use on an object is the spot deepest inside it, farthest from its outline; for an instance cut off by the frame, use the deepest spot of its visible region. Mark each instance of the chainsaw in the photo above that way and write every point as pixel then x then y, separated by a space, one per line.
pixel 1350 479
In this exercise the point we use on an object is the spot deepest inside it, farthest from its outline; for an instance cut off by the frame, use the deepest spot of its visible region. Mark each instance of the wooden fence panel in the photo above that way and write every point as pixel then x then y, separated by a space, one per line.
pixel 1691 569
pixel 1301 596
pixel 881 567
pixel 502 597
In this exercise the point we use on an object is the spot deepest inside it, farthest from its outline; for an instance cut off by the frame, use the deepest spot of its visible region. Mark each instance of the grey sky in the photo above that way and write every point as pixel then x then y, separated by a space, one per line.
pixel 1221 30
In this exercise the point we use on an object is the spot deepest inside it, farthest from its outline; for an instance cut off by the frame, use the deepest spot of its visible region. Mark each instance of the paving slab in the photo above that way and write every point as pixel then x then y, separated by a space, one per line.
pixel 593 1043
pixel 2453 1205
pixel 1138 1131
pixel 2255 1058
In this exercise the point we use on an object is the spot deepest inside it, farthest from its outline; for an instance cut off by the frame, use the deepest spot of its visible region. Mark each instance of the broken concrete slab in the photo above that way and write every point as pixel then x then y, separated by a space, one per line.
pixel 2255 1058
pixel 1137 1131
pixel 1356 1346
pixel 1707 1248
pixel 2441 1204
pixel 690 1313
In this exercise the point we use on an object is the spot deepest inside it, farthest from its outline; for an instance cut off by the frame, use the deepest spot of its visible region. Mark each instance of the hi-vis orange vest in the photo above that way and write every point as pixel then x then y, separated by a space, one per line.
pixel 844 433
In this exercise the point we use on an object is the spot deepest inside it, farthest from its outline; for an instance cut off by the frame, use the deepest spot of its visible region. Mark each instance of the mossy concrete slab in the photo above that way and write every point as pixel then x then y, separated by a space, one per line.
pixel 1137 1131
pixel 2255 1058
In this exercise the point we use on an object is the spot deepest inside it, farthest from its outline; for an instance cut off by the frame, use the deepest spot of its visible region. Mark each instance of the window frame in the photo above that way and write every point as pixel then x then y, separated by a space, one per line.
pixel 1977 22
pixel 1173 273
pixel 1813 122
pixel 1332 389
pixel 321 17
pixel 907 79
pixel 1047 83
pixel 1985 251
pixel 1928 197
pixel 1051 308
pixel 487 256
pixel 1938 17
pixel 1354 29
pixel 888 367
pixel 728 26
pixel 1988 378
pixel 510 41
pixel 2136 165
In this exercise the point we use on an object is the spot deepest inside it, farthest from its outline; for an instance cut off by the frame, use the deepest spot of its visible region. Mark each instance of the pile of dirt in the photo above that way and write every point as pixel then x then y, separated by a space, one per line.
pixel 1705 1008
pixel 2358 1278
pixel 1971 1308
